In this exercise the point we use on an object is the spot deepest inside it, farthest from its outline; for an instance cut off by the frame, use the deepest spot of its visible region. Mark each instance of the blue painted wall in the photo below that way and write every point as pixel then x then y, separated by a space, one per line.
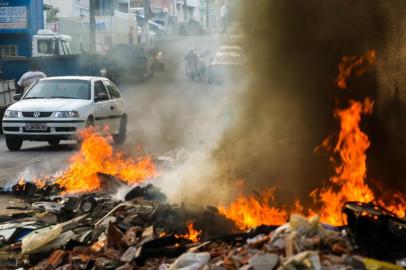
pixel 22 36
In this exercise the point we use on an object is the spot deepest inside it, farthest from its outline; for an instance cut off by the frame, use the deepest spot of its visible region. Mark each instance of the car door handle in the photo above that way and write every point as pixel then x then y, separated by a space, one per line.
pixel 112 108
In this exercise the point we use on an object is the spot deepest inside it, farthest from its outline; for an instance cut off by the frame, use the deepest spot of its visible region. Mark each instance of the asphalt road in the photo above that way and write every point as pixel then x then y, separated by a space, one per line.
pixel 165 112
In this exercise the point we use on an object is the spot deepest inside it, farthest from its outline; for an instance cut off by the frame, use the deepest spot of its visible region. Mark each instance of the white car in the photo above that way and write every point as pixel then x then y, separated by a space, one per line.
pixel 232 49
pixel 56 108
pixel 226 67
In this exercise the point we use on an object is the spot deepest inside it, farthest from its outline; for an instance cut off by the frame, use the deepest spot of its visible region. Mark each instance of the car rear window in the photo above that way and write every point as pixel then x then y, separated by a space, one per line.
pixel 68 89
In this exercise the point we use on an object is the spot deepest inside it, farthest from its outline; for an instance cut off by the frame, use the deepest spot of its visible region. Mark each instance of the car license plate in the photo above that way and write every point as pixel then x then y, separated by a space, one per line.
pixel 36 126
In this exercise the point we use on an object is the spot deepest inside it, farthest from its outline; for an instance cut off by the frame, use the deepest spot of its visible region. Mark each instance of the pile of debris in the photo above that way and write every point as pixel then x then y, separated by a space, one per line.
pixel 142 231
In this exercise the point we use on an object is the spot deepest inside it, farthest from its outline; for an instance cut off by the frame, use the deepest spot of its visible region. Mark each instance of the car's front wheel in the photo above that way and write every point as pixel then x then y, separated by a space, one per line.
pixel 89 124
pixel 14 143
pixel 121 136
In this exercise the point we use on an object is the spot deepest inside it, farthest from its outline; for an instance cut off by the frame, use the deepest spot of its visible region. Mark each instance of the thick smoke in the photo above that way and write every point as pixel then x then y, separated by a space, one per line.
pixel 266 133
pixel 181 122
pixel 170 111
pixel 286 110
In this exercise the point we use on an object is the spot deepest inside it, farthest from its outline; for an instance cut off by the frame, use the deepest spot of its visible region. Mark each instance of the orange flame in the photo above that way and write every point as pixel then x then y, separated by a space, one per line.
pixel 349 182
pixel 192 234
pixel 397 206
pixel 347 185
pixel 39 183
pixel 354 64
pixel 252 211
pixel 351 170
pixel 97 155
pixel 21 181
pixel 21 184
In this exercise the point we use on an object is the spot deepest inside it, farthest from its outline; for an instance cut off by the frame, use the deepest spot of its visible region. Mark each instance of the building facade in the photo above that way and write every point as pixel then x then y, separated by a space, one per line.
pixel 70 8
pixel 20 20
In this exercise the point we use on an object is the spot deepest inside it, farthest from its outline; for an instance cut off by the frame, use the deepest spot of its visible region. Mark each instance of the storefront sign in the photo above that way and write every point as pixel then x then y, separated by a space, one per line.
pixel 13 17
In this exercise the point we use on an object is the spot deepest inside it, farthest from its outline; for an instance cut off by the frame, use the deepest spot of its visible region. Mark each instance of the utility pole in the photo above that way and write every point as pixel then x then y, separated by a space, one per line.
pixel 185 11
pixel 208 15
pixel 92 25
pixel 147 16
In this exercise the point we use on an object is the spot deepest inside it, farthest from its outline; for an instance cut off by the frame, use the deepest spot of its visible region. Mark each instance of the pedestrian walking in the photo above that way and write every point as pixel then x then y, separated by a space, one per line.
pixel 30 77
pixel 131 36
pixel 225 16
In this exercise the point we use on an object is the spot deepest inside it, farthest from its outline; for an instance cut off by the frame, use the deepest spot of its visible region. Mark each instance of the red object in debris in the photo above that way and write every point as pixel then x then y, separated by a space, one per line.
pixel 57 257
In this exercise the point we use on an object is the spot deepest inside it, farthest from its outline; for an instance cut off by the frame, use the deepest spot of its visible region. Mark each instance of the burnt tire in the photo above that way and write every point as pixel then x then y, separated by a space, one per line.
pixel 2 111
pixel 122 135
pixel 14 143
pixel 54 142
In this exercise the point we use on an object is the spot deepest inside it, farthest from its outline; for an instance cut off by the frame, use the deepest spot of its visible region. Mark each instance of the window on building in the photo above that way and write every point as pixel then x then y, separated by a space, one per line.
pixel 8 50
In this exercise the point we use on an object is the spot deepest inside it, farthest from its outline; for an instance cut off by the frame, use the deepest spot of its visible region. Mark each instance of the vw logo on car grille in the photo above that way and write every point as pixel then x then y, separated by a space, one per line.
pixel 36 114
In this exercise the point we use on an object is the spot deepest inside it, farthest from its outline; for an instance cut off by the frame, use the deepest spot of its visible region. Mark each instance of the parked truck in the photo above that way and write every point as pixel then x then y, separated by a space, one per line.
pixel 52 54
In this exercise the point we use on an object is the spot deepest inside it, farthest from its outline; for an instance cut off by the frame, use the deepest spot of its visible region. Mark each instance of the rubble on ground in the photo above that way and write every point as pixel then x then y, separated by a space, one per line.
pixel 143 231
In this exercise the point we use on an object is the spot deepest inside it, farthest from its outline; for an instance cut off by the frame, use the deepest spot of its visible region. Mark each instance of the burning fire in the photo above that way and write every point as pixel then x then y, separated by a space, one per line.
pixel 347 185
pixel 192 234
pixel 252 211
pixel 97 155
pixel 39 183
pixel 21 184
pixel 349 182
pixel 351 170
pixel 354 65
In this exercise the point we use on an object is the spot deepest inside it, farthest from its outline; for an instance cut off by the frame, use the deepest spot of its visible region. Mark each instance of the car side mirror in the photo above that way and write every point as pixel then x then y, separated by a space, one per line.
pixel 17 97
pixel 101 97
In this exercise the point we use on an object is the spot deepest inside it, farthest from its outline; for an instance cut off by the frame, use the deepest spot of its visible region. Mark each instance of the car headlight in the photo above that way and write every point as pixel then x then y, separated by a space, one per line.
pixel 70 114
pixel 12 114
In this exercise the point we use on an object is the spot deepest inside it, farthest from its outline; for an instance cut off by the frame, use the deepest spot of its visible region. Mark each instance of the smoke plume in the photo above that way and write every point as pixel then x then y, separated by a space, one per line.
pixel 286 110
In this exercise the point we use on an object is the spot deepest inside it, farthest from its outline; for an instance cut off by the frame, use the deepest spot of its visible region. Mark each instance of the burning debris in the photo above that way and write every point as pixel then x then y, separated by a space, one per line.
pixel 73 221
pixel 250 212
pixel 94 230
pixel 349 160
pixel 96 167
pixel 97 156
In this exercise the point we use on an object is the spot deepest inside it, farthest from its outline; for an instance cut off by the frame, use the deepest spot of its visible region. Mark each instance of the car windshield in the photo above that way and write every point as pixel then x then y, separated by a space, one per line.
pixel 69 89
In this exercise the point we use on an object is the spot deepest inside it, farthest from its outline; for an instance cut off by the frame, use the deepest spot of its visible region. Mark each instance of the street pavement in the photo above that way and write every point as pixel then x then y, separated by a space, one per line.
pixel 165 112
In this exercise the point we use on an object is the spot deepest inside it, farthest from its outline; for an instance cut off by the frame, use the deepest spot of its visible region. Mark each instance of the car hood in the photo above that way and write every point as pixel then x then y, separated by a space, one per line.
pixel 225 64
pixel 48 105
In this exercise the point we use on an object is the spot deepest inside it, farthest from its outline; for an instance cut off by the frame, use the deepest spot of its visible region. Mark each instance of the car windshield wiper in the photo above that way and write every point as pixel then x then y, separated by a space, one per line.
pixel 34 97
pixel 61 97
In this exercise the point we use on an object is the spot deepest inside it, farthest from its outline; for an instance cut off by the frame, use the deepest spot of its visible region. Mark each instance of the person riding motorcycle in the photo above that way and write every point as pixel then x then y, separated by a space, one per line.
pixel 195 66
